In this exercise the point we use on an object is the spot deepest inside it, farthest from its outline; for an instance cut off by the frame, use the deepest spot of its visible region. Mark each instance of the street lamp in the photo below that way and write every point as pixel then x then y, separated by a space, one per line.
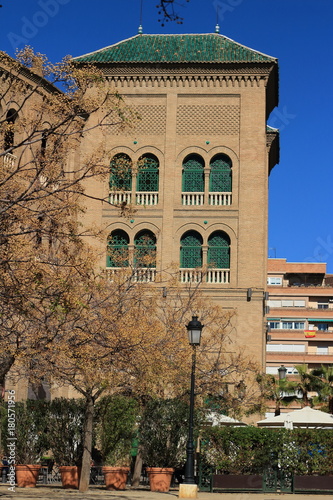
pixel 282 372
pixel 194 329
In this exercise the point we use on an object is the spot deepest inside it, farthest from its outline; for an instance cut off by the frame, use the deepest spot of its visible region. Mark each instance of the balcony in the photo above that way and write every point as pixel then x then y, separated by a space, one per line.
pixel 220 199
pixel 148 198
pixel 298 358
pixel 8 161
pixel 139 275
pixel 193 199
pixel 119 197
pixel 214 198
pixel 212 276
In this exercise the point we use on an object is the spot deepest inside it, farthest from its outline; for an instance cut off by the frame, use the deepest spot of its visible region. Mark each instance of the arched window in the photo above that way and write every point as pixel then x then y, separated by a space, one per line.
pixel 117 251
pixel 193 174
pixel 220 179
pixel 9 132
pixel 147 178
pixel 191 250
pixel 145 249
pixel 121 172
pixel 219 250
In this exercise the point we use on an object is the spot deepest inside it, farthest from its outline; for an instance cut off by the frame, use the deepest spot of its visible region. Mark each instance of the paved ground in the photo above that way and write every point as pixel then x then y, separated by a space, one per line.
pixel 99 493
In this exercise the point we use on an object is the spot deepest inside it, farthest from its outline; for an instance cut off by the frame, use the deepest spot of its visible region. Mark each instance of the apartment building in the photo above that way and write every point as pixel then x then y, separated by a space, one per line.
pixel 299 315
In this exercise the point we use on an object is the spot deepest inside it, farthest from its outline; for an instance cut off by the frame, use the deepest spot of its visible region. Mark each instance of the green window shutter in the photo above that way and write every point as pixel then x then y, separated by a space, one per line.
pixel 191 250
pixel 147 179
pixel 220 179
pixel 193 174
pixel 145 249
pixel 121 173
pixel 219 250
pixel 117 251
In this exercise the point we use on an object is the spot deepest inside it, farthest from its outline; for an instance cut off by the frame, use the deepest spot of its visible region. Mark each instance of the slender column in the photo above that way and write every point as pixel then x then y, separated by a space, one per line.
pixel 206 188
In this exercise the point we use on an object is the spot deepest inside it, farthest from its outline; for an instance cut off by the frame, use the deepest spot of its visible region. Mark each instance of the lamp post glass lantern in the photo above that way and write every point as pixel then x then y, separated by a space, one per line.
pixel 194 329
pixel 282 370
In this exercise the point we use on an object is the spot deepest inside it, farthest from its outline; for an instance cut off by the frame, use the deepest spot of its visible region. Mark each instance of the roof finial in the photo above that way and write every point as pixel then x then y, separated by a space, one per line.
pixel 140 27
pixel 217 27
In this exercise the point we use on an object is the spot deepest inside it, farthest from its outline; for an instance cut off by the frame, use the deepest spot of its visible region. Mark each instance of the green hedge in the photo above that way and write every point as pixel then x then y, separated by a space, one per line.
pixel 250 450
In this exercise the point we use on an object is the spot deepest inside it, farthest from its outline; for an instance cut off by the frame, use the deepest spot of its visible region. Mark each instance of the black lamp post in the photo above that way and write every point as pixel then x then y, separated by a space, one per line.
pixel 194 329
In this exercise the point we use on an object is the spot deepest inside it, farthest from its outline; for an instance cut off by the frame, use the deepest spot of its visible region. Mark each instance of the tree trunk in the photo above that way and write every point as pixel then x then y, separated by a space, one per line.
pixel 330 405
pixel 137 469
pixel 87 444
pixel 6 362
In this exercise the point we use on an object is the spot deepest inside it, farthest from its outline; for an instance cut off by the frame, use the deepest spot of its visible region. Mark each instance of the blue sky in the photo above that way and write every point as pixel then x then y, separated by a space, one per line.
pixel 298 32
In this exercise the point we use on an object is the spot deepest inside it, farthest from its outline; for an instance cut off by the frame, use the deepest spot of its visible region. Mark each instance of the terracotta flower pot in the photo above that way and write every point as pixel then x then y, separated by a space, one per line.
pixel 27 475
pixel 115 478
pixel 70 476
pixel 160 478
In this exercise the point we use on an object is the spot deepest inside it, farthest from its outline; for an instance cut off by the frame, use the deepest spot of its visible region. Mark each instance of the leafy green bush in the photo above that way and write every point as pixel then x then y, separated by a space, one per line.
pixel 29 431
pixel 163 432
pixel 65 430
pixel 116 418
pixel 250 450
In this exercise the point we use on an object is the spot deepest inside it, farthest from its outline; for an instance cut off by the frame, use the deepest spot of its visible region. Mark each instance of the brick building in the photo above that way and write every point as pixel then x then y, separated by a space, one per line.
pixel 197 166
pixel 198 162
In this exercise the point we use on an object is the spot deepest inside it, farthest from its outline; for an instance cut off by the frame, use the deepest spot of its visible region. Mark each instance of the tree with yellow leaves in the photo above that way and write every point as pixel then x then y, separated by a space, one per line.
pixel 45 110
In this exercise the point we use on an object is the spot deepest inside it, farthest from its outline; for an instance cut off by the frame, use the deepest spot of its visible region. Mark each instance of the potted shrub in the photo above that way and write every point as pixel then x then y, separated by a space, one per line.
pixel 116 416
pixel 65 438
pixel 30 440
pixel 162 435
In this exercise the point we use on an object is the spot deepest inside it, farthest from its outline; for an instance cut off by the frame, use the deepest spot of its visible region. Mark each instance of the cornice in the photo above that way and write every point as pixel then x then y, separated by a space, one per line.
pixel 188 80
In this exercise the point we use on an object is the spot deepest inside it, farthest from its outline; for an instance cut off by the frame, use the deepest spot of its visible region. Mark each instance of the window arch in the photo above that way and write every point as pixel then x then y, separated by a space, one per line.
pixel 220 179
pixel 9 133
pixel 191 250
pixel 145 249
pixel 121 172
pixel 219 250
pixel 148 173
pixel 193 174
pixel 117 249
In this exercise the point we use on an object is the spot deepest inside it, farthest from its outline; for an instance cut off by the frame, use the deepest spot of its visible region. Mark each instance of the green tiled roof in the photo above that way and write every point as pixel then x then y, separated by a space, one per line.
pixel 200 48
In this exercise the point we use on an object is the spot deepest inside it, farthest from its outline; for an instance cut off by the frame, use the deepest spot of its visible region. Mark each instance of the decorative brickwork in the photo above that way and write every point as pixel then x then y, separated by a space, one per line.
pixel 152 121
pixel 208 119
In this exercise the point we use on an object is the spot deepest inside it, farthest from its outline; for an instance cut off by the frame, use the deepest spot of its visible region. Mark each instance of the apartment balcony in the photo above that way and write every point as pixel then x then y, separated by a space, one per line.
pixel 300 335
pixel 301 312
pixel 300 291
pixel 298 358
pixel 210 276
